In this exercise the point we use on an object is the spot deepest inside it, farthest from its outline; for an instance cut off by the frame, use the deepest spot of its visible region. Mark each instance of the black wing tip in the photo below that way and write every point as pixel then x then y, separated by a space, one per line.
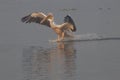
pixel 68 19
pixel 68 15
pixel 25 18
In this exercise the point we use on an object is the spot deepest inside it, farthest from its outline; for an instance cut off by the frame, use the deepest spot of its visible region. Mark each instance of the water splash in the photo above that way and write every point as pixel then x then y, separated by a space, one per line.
pixel 88 37
pixel 91 37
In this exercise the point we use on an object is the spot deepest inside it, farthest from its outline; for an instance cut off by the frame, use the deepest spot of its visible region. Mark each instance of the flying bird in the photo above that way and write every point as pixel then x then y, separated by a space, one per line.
pixel 63 30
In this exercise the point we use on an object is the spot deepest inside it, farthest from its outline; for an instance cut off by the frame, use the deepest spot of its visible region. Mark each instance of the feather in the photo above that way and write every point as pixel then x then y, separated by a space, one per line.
pixel 69 20
pixel 35 17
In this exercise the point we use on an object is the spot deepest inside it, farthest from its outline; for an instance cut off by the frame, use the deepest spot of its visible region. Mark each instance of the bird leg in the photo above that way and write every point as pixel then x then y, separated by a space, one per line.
pixel 62 37
pixel 58 39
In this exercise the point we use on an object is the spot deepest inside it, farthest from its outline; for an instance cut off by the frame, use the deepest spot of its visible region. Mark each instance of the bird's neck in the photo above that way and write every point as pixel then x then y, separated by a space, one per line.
pixel 52 24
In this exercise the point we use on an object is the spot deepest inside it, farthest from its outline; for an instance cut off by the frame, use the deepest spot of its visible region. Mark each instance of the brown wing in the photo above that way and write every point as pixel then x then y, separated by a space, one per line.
pixel 36 17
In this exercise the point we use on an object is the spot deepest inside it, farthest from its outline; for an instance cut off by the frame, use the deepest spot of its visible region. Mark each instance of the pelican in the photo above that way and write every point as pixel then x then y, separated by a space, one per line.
pixel 63 30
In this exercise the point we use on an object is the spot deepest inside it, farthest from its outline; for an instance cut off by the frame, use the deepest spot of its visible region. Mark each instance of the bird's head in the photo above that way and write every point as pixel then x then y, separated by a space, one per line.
pixel 50 16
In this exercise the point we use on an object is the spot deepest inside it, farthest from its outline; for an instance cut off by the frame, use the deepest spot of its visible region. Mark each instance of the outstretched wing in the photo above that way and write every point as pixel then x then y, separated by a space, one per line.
pixel 36 17
pixel 69 23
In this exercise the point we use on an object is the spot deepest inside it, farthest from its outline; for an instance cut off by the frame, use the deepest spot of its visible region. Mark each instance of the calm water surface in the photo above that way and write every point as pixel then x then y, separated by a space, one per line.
pixel 26 54
pixel 89 60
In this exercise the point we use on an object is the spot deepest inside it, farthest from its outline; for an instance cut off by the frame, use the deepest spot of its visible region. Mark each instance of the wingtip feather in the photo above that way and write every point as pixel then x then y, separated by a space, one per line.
pixel 25 18
pixel 68 19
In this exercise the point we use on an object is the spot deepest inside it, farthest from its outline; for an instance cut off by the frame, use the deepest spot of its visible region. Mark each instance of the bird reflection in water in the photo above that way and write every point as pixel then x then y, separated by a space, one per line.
pixel 56 63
